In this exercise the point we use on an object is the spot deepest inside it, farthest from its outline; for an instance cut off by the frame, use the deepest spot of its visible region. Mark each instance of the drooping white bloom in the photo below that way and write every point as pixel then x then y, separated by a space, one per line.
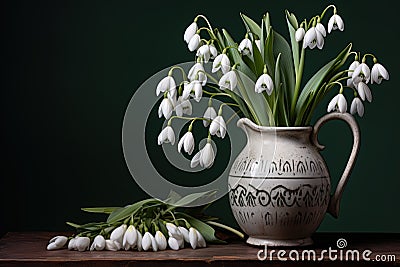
pixel 321 28
pixel 165 109
pixel 201 242
pixel 118 233
pixel 99 243
pixel 193 237
pixel 213 51
pixel 361 73
pixel 218 127
pixel 57 242
pixel 146 241
pixel 378 73
pixel 82 243
pixel 166 84
pixel 173 243
pixel 183 106
pixel 264 83
pixel 246 47
pixel 352 67
pixel 335 22
pixel 194 42
pixel 190 32
pixel 112 245
pixel 205 157
pixel 300 32
pixel 197 72
pixel 71 244
pixel 313 38
pixel 185 233
pixel 130 238
pixel 357 107
pixel 173 230
pixel 221 62
pixel 139 241
pixel 167 135
pixel 364 92
pixel 187 141
pixel 160 240
pixel 204 53
pixel 209 114
pixel 198 91
pixel 228 81
pixel 338 102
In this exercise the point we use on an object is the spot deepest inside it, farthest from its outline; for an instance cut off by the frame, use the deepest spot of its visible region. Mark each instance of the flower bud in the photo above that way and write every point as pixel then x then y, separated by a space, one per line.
pixel 193 237
pixel 57 242
pixel 98 243
pixel 173 243
pixel 118 233
pixel 82 243
pixel 160 240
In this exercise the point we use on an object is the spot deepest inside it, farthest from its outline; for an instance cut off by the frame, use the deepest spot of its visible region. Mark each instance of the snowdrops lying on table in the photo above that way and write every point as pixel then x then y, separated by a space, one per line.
pixel 147 225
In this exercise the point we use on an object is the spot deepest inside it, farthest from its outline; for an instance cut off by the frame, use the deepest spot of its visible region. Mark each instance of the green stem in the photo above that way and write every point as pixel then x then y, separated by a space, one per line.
pixel 184 77
pixel 299 76
pixel 243 92
pixel 230 229
pixel 326 9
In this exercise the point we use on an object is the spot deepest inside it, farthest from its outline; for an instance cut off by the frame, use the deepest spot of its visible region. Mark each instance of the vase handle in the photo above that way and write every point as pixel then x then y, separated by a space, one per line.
pixel 334 203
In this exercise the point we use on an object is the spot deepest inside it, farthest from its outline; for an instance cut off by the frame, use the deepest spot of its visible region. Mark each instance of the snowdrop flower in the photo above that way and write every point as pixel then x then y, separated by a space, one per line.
pixel 166 84
pixel 193 237
pixel 201 242
pixel 364 92
pixel 185 233
pixel 204 53
pixel 118 233
pixel 160 240
pixel 221 62
pixel 378 72
pixel 299 35
pixel 99 243
pixel 209 114
pixel 71 244
pixel 183 106
pixel 321 28
pixel 187 141
pixel 148 242
pixel 82 243
pixel 194 42
pixel 352 67
pixel 198 91
pixel 165 109
pixel 57 242
pixel 205 157
pixel 246 47
pixel 173 243
pixel 112 245
pixel 339 102
pixel 173 230
pixel 130 238
pixel 197 73
pixel 190 32
pixel 167 135
pixel 335 22
pixel 139 241
pixel 361 73
pixel 357 107
pixel 228 81
pixel 218 127
pixel 313 38
pixel 213 51
pixel 264 83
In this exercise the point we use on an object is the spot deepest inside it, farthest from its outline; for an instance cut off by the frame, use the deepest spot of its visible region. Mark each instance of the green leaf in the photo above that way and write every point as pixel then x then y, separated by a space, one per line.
pixel 315 83
pixel 106 210
pixel 267 22
pixel 251 26
pixel 292 26
pixel 125 212
pixel 94 226
pixel 206 231
pixel 288 77
pixel 192 198
pixel 258 60
pixel 269 58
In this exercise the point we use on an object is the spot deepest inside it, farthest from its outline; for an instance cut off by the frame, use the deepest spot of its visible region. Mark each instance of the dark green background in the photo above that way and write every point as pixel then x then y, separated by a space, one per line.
pixel 69 69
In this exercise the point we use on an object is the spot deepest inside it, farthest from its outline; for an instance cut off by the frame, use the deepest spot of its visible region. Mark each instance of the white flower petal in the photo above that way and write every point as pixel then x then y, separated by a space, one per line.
pixel 207 156
pixel 319 27
pixel 193 237
pixel 332 103
pixel 190 32
pixel 300 34
pixel 195 160
pixel 173 243
pixel 194 42
pixel 342 103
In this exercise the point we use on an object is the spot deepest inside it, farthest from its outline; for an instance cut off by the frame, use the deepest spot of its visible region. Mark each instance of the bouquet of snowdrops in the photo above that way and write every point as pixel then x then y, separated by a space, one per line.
pixel 147 225
pixel 262 78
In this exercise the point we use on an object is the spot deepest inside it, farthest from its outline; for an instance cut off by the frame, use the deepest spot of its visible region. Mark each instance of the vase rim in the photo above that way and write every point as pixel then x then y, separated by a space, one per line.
pixel 247 122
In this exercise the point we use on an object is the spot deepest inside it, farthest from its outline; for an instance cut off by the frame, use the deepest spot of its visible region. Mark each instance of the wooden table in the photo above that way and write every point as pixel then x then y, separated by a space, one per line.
pixel 29 249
